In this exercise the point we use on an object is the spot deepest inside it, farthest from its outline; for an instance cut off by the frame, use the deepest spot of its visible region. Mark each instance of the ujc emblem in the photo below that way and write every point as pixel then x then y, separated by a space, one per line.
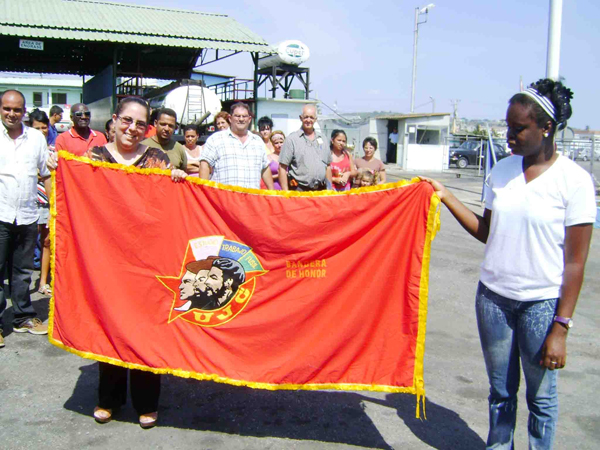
pixel 216 281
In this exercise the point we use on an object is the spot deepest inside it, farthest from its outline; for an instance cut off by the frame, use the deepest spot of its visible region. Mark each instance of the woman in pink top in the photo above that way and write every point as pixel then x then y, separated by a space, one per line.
pixel 277 138
pixel 369 161
pixel 342 166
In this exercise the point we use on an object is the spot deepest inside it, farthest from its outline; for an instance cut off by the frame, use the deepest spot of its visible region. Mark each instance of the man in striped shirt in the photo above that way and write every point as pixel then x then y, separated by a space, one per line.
pixel 236 156
pixel 304 162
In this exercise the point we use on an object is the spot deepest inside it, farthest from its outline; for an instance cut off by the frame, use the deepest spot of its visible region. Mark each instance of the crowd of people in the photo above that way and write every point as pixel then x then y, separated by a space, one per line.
pixel 537 224
pixel 135 136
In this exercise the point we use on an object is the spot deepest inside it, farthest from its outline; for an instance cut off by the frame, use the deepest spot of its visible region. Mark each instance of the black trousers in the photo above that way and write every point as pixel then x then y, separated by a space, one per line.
pixel 112 390
pixel 17 245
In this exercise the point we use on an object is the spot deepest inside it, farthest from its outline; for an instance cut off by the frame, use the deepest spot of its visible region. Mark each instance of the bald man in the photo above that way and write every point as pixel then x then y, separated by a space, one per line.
pixel 304 162
pixel 80 138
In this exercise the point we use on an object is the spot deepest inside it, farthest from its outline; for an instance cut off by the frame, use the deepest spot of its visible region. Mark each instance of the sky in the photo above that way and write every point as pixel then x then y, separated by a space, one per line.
pixel 469 50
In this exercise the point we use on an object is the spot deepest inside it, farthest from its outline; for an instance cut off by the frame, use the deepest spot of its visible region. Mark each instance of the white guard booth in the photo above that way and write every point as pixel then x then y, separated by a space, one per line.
pixel 422 140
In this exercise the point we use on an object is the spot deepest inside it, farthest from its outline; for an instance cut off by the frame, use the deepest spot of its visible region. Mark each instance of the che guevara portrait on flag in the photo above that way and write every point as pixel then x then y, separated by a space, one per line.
pixel 210 283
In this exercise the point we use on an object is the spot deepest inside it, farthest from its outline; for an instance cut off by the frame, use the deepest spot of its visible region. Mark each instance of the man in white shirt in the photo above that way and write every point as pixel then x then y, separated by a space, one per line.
pixel 236 156
pixel 23 153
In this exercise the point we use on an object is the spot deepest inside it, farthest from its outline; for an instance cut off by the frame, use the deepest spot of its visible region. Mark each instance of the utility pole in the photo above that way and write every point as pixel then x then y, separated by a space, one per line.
pixel 554 34
pixel 418 12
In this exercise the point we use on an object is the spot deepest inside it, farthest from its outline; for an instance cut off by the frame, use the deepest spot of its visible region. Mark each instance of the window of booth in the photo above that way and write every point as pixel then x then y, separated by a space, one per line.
pixel 38 99
pixel 59 98
pixel 428 137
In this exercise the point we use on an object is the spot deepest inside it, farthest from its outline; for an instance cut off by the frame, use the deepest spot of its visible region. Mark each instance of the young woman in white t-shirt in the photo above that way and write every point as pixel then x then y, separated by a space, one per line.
pixel 537 227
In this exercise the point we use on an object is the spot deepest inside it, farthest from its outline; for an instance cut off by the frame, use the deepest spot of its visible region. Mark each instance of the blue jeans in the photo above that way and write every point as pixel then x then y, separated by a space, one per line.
pixel 17 243
pixel 512 333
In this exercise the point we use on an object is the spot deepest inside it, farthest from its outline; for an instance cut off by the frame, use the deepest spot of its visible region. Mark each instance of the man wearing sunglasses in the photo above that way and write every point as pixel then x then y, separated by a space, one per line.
pixel 80 138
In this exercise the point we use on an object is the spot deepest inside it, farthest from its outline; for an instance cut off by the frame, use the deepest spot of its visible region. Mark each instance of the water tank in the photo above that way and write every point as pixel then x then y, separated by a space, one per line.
pixel 190 103
pixel 288 52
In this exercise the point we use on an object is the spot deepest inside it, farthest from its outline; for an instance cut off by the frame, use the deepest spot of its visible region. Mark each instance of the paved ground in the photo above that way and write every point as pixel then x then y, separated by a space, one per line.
pixel 47 395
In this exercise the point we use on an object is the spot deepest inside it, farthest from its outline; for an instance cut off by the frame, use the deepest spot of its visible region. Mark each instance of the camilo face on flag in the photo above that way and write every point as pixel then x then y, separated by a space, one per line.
pixel 267 289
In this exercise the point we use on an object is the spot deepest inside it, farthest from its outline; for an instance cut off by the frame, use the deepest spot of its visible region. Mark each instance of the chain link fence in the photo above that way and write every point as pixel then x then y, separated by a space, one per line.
pixel 467 154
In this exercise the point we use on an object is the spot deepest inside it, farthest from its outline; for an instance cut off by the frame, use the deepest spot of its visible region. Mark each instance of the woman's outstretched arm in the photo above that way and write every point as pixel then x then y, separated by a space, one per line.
pixel 476 225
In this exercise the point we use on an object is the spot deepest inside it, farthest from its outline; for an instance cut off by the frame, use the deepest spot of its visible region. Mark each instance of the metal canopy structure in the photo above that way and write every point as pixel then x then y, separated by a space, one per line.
pixel 83 37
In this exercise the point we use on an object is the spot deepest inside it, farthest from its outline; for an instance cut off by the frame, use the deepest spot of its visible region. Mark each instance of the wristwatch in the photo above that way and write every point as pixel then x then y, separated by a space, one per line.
pixel 566 321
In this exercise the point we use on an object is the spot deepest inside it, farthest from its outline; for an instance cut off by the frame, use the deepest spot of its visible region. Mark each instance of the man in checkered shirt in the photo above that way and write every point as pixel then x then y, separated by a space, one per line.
pixel 235 156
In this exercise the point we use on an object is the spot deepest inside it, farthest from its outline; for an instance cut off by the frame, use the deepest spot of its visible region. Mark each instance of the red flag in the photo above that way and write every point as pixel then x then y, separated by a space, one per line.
pixel 267 289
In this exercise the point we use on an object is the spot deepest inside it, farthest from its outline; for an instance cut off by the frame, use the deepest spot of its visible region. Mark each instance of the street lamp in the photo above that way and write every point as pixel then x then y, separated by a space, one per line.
pixel 418 12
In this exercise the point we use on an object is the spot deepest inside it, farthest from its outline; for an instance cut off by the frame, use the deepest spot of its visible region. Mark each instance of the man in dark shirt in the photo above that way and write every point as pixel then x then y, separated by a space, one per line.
pixel 166 124
pixel 56 115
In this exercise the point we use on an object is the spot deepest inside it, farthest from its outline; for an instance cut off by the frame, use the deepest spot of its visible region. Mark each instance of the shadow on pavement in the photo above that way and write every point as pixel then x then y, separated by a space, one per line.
pixel 443 429
pixel 337 417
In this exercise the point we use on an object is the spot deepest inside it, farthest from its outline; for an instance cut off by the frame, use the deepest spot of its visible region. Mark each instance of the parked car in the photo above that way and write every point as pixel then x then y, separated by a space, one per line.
pixel 584 154
pixel 467 154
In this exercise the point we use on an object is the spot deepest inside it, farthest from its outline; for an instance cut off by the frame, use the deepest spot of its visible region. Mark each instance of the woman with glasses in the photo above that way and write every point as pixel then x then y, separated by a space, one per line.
pixel 131 119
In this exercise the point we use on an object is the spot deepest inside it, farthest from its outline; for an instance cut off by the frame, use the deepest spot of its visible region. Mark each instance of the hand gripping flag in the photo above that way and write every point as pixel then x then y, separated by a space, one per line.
pixel 267 289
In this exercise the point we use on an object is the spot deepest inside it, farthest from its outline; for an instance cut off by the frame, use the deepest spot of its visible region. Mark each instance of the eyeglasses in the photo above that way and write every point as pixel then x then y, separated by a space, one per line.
pixel 82 114
pixel 239 117
pixel 128 121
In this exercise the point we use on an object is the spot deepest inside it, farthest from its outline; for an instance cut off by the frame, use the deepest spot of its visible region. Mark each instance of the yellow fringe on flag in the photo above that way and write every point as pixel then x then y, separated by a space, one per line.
pixel 433 225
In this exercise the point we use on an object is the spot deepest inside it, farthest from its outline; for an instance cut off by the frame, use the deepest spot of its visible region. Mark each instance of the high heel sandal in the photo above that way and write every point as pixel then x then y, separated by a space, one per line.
pixel 148 420
pixel 45 290
pixel 102 415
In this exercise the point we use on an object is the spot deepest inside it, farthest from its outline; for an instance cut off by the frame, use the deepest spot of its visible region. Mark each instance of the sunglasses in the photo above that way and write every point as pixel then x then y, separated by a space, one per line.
pixel 128 121
pixel 82 114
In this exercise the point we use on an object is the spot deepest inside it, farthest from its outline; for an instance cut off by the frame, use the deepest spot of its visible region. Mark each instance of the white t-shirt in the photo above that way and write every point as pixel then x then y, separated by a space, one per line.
pixel 191 158
pixel 524 254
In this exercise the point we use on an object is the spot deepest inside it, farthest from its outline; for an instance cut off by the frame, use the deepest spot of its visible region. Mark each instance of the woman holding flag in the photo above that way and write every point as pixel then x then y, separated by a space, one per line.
pixel 537 227
pixel 131 120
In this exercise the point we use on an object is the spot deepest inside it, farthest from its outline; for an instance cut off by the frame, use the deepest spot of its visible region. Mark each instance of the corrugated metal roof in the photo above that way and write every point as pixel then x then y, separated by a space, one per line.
pixel 120 22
